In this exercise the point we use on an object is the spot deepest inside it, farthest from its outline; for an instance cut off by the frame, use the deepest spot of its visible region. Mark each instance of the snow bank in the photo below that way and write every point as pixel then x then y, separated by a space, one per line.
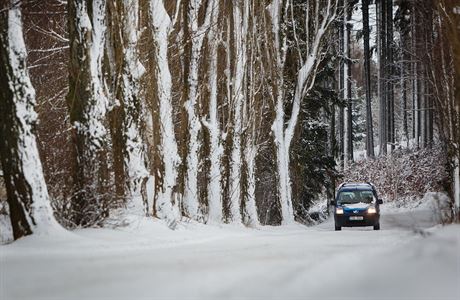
pixel 441 206
pixel 6 231
pixel 438 203
pixel 318 210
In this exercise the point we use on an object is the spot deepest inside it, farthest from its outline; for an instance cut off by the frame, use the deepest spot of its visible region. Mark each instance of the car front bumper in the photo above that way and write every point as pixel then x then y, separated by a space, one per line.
pixel 344 220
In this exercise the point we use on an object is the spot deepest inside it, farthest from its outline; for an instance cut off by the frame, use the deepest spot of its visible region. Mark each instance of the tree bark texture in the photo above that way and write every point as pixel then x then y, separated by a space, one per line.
pixel 27 195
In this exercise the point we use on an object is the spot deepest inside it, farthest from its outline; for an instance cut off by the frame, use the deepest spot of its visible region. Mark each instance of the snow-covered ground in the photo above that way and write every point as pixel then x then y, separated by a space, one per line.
pixel 410 258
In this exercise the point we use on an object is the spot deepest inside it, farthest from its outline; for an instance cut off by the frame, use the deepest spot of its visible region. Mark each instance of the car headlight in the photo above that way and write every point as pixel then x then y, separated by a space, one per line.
pixel 371 210
pixel 339 211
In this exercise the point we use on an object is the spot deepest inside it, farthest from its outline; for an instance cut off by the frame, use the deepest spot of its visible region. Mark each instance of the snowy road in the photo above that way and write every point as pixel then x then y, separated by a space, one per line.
pixel 206 262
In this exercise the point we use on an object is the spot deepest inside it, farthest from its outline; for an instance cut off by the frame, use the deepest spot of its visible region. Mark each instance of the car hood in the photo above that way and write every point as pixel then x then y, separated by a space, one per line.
pixel 358 206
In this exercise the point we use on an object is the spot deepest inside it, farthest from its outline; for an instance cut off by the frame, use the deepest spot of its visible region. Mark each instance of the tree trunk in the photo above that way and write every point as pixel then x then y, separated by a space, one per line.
pixel 88 105
pixel 215 213
pixel 367 80
pixel 116 115
pixel 381 16
pixel 404 67
pixel 389 75
pixel 282 157
pixel 304 82
pixel 414 68
pixel 166 189
pixel 135 160
pixel 252 115
pixel 197 32
pixel 240 28
pixel 341 121
pixel 27 194
pixel 347 92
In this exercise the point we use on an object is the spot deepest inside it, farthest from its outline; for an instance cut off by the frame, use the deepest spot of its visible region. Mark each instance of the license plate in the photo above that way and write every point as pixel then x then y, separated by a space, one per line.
pixel 356 218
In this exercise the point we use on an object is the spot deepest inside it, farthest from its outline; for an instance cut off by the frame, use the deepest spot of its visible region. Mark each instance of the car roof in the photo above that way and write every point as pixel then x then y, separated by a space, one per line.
pixel 356 186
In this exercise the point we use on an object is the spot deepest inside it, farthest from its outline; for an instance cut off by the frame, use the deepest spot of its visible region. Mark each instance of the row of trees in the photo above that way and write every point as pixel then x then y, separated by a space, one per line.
pixel 171 109
pixel 219 110
pixel 414 77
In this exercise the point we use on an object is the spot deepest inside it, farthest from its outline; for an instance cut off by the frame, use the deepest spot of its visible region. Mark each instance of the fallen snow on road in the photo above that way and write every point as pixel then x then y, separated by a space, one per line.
pixel 410 258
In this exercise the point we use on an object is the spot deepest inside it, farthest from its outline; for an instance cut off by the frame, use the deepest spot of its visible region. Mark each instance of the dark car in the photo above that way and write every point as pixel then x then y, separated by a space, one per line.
pixel 356 204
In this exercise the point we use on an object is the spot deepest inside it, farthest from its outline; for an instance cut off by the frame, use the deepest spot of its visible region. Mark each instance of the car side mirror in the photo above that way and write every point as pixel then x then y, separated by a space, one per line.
pixel 332 202
pixel 380 201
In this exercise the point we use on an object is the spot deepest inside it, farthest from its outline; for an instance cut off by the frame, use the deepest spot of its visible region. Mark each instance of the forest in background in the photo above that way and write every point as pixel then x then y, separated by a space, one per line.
pixel 215 110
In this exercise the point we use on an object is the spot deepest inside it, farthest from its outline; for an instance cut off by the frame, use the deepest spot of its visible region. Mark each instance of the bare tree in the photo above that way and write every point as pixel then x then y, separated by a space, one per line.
pixel 367 78
pixel 131 105
pixel 382 47
pixel 212 123
pixel 239 95
pixel 28 200
pixel 444 75
pixel 88 105
pixel 166 190
pixel 390 73
pixel 197 31
pixel 348 8
pixel 283 135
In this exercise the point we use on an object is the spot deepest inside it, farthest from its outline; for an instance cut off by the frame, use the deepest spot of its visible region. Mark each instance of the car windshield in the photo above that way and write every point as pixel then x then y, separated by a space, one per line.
pixel 351 197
